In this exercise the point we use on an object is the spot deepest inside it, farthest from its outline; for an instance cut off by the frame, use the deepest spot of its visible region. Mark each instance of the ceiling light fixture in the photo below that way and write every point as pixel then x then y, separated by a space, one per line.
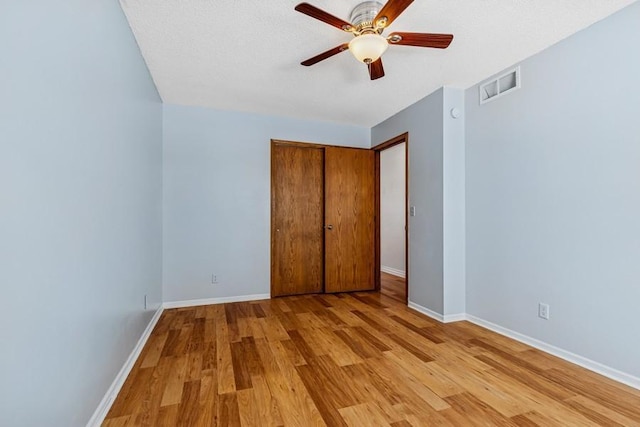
pixel 369 47
pixel 368 21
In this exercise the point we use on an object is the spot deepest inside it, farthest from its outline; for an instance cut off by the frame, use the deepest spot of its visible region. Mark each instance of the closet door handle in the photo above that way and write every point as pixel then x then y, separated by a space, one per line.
pixel 329 227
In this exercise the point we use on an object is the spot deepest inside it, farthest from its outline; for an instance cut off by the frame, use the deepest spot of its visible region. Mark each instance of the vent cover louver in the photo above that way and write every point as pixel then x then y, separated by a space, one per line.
pixel 501 85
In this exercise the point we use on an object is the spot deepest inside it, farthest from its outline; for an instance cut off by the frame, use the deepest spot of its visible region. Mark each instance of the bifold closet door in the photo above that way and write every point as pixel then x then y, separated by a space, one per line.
pixel 349 219
pixel 297 219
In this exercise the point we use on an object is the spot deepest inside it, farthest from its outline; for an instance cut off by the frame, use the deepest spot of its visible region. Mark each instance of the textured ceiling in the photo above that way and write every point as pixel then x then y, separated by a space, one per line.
pixel 245 55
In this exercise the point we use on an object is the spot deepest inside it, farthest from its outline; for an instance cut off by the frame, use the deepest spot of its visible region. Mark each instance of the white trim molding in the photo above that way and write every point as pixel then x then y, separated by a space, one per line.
pixel 104 406
pixel 393 271
pixel 427 312
pixel 589 364
pixel 219 300
pixel 597 367
pixel 450 318
pixel 447 318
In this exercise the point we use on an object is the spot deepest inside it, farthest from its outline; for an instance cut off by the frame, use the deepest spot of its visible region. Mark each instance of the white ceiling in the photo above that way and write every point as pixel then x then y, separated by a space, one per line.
pixel 245 55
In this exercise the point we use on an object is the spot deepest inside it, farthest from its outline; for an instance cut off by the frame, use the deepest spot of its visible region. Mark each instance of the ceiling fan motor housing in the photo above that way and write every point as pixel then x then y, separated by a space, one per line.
pixel 362 17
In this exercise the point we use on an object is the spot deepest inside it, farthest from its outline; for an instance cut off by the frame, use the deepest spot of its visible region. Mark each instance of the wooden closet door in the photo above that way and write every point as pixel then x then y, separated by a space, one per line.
pixel 297 219
pixel 349 219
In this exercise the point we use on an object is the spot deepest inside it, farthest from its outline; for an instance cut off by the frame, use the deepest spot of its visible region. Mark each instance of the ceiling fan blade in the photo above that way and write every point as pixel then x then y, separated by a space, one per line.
pixel 438 41
pixel 324 55
pixel 323 16
pixel 391 10
pixel 376 70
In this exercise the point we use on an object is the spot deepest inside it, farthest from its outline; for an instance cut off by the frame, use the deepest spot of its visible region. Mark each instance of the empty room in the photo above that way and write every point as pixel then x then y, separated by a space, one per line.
pixel 335 213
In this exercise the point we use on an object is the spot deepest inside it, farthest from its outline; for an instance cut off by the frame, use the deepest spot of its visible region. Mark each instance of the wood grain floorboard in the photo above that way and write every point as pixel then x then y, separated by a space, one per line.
pixel 393 287
pixel 361 359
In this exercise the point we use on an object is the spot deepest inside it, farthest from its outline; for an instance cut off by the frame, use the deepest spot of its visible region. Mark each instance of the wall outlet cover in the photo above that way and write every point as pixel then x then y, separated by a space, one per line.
pixel 543 311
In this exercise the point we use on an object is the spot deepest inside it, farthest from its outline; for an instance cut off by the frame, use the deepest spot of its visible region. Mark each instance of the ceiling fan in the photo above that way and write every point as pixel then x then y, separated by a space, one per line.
pixel 368 21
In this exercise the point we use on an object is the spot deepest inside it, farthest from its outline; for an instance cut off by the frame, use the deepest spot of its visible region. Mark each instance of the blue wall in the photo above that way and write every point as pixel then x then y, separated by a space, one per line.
pixel 551 200
pixel 553 196
pixel 436 189
pixel 80 206
pixel 217 203
pixel 424 122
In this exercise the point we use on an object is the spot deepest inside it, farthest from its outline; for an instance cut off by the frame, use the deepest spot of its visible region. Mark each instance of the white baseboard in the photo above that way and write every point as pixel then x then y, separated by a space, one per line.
pixel 450 318
pixel 424 310
pixel 104 406
pixel 447 318
pixel 220 300
pixel 589 364
pixel 597 367
pixel 394 271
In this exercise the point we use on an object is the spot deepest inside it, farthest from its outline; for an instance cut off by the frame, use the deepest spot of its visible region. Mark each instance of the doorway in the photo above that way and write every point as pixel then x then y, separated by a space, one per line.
pixel 392 184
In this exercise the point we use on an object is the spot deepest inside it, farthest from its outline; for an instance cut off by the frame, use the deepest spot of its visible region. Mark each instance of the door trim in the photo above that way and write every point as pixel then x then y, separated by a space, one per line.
pixel 378 149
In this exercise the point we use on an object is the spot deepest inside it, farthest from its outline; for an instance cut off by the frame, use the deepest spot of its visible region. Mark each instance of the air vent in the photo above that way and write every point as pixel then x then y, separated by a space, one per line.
pixel 501 85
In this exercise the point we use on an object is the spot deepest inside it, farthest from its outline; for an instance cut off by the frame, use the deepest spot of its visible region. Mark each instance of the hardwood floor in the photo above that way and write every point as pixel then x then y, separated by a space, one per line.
pixel 393 287
pixel 353 359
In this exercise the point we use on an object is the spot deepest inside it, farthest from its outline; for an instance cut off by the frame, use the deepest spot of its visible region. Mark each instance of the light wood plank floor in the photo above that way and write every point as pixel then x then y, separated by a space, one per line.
pixel 353 359
pixel 393 287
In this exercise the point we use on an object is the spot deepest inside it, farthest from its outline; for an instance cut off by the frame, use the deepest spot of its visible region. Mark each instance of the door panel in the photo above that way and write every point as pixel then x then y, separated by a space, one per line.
pixel 297 218
pixel 349 219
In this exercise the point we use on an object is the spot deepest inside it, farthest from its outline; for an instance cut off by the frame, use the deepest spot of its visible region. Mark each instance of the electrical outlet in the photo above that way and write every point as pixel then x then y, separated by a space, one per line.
pixel 214 279
pixel 412 211
pixel 145 301
pixel 543 311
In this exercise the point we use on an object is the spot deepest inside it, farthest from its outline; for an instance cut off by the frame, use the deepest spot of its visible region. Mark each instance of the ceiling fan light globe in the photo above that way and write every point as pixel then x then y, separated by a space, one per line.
pixel 367 48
